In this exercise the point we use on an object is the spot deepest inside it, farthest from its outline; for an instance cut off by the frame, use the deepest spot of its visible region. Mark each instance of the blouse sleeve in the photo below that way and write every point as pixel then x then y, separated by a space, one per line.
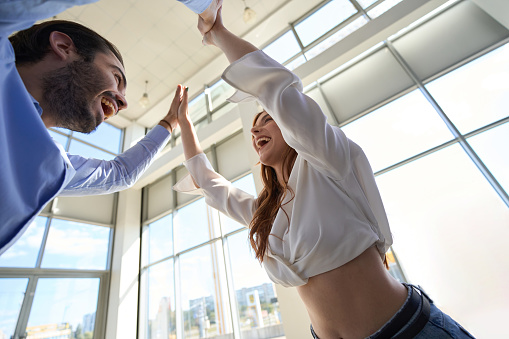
pixel 219 193
pixel 302 122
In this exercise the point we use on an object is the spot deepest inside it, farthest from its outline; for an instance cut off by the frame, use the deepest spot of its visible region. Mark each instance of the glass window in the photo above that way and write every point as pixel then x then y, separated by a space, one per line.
pixel 160 239
pixel 450 227
pixel 201 124
pixel 283 48
pixel 394 268
pixel 219 92
pixel 300 60
pixel 247 185
pixel 366 3
pixel 160 295
pixel 399 130
pixel 491 147
pixel 476 94
pixel 323 20
pixel 61 139
pixel 74 245
pixel 205 310
pixel 87 151
pixel 64 308
pixel 382 8
pixel 12 293
pixel 198 107
pixel 336 37
pixel 24 252
pixel 255 294
pixel 223 110
pixel 194 224
pixel 105 136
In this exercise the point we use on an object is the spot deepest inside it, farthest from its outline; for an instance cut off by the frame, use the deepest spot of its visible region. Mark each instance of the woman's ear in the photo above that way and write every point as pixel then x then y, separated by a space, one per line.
pixel 62 45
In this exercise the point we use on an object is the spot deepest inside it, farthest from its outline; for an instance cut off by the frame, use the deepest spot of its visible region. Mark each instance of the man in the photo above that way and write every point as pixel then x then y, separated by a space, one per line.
pixel 62 74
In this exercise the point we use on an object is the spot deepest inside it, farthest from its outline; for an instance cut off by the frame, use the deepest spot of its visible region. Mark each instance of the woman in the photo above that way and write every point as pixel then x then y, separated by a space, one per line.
pixel 319 223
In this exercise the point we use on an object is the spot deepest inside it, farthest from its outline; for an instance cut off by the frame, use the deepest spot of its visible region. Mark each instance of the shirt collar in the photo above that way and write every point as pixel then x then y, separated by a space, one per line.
pixel 36 104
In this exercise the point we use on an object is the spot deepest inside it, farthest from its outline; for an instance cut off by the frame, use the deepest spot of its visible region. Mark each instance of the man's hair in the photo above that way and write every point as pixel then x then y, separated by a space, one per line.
pixel 31 45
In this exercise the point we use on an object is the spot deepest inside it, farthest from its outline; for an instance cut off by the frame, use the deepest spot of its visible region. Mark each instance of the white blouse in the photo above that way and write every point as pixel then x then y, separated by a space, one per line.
pixel 337 212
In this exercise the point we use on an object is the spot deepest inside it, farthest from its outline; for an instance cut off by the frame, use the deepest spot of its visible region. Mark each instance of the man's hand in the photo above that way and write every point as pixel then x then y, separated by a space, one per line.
pixel 209 38
pixel 208 17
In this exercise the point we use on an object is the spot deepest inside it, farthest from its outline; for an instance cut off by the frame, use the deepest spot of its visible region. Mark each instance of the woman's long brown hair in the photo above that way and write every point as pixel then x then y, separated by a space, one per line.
pixel 269 201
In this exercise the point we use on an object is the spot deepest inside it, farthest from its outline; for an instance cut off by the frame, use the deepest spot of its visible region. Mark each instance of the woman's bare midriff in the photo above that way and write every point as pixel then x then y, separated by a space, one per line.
pixel 352 301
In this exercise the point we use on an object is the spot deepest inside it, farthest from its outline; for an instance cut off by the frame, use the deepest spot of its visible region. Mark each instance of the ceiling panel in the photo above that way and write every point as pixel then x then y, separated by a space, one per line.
pixel 159 41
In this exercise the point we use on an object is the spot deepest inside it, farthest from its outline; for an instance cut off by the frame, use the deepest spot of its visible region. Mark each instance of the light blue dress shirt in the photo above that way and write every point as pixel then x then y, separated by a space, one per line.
pixel 33 167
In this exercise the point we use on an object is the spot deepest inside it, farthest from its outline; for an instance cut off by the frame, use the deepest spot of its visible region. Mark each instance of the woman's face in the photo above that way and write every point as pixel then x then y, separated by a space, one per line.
pixel 268 141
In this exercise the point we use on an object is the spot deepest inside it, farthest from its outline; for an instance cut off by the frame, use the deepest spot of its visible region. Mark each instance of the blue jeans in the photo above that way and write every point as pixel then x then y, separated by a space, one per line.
pixel 439 325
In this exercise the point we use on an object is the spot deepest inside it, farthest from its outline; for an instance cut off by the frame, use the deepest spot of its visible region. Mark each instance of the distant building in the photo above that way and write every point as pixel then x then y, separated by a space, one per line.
pixel 265 292
pixel 88 322
pixel 49 331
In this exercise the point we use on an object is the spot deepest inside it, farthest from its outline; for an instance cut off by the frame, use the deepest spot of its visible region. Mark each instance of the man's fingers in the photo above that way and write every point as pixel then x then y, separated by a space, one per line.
pixel 176 99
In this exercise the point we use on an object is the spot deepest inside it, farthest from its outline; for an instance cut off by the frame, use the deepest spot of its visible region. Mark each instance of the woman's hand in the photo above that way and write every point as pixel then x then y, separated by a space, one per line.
pixel 183 109
pixel 170 121
pixel 210 35
pixel 207 19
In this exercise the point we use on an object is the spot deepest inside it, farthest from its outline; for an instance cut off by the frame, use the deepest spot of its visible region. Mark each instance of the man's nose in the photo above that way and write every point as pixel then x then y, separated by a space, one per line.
pixel 121 101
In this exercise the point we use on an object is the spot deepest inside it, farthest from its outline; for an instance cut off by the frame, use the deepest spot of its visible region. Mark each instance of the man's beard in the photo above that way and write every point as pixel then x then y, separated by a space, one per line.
pixel 68 93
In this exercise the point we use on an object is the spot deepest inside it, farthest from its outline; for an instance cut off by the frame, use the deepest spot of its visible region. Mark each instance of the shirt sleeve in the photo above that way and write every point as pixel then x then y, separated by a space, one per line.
pixel 197 6
pixel 17 15
pixel 302 122
pixel 219 193
pixel 95 176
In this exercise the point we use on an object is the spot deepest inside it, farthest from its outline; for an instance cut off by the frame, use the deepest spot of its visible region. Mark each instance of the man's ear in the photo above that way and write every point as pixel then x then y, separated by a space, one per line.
pixel 62 45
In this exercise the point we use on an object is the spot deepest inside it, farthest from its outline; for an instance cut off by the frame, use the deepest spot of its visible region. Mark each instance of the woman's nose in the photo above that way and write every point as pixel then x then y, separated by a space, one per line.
pixel 255 130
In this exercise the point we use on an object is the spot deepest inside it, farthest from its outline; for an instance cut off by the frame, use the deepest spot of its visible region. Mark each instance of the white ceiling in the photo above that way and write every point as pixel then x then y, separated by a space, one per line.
pixel 160 43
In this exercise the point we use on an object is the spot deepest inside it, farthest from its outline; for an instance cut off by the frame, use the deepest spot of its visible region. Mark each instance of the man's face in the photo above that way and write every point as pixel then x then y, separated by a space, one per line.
pixel 83 94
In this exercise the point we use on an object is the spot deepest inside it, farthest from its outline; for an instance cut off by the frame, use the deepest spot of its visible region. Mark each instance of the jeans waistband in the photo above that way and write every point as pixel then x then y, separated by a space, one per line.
pixel 408 321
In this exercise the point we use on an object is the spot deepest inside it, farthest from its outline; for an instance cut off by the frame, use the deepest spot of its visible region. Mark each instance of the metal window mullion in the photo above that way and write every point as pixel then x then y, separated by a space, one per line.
pixel 208 103
pixel 487 127
pixel 213 152
pixel 43 243
pixel 68 143
pixel 26 306
pixel 456 133
pixel 102 306
pixel 301 45
pixel 359 9
pixel 178 298
pixel 232 299
pixel 327 104
pixel 109 258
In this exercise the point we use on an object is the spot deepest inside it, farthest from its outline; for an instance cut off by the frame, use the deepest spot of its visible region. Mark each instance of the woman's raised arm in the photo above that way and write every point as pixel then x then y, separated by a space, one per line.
pixel 232 46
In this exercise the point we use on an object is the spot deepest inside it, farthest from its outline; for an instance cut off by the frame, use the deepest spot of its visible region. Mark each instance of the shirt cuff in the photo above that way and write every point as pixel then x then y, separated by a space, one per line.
pixel 187 184
pixel 159 134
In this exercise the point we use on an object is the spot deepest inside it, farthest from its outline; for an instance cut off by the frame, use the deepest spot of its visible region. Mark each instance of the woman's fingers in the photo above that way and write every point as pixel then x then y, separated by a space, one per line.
pixel 183 108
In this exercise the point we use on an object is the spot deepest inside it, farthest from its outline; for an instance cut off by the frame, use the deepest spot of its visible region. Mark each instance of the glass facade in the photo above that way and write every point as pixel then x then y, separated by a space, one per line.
pixel 54 278
pixel 310 36
pixel 211 286
pixel 434 129
pixel 435 135
pixel 51 280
